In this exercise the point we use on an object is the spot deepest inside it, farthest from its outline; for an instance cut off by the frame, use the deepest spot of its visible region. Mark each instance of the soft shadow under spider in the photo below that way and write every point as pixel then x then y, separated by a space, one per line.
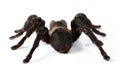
pixel 75 48
pixel 41 58
pixel 23 47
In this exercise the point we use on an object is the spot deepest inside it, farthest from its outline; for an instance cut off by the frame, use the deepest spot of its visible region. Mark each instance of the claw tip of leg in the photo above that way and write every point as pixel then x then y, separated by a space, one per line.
pixel 103 34
pixel 107 58
pixel 11 38
pixel 14 47
pixel 25 61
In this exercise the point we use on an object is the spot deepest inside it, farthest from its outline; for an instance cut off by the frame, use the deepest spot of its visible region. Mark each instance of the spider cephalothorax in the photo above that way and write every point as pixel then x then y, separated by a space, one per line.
pixel 59 36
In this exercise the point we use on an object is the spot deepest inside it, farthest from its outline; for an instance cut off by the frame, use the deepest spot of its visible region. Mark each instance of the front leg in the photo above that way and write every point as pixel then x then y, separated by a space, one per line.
pixel 35 45
pixel 41 34
pixel 96 42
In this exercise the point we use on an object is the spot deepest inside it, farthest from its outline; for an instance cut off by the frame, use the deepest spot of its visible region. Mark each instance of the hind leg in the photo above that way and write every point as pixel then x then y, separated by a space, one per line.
pixel 96 42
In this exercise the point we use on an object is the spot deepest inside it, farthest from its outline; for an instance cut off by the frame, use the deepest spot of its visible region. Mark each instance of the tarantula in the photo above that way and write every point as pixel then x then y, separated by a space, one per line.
pixel 59 36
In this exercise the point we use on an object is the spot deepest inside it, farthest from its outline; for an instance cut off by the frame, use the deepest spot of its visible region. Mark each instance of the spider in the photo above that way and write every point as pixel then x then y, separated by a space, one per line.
pixel 59 36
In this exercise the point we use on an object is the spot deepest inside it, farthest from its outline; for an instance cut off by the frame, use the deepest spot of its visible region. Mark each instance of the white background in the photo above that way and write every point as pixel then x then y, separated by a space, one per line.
pixel 84 61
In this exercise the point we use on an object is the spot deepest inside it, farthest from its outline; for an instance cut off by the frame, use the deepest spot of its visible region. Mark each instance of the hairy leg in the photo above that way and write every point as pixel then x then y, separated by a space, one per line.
pixel 35 45
pixel 76 31
pixel 17 31
pixel 75 34
pixel 99 33
pixel 27 26
pixel 84 25
pixel 41 34
pixel 23 39
pixel 100 42
pixel 17 35
pixel 97 42
pixel 96 26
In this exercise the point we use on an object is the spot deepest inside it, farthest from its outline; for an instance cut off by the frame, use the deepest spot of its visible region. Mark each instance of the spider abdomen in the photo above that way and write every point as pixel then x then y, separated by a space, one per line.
pixel 61 40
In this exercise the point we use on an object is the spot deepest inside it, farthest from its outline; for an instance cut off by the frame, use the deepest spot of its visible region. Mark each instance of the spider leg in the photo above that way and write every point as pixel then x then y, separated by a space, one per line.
pixel 17 35
pixel 83 24
pixel 97 42
pixel 76 32
pixel 19 30
pixel 98 32
pixel 96 26
pixel 101 43
pixel 40 35
pixel 27 25
pixel 35 45
pixel 23 39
